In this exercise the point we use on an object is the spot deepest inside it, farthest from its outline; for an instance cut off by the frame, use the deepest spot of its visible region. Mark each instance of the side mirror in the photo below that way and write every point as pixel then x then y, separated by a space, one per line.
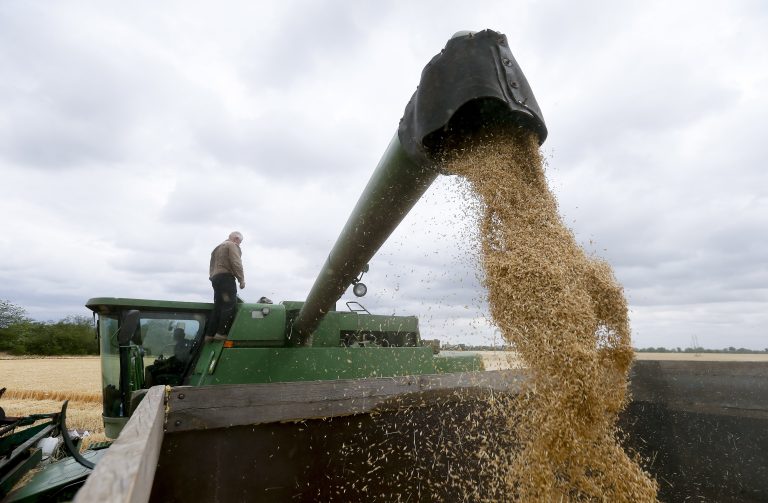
pixel 128 326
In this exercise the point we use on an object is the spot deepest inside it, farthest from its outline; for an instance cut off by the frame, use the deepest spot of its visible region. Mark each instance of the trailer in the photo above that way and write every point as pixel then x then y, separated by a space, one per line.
pixel 700 427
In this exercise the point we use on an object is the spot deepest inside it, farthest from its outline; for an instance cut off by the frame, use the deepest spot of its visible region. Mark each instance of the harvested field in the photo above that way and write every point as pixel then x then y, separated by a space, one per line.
pixel 40 385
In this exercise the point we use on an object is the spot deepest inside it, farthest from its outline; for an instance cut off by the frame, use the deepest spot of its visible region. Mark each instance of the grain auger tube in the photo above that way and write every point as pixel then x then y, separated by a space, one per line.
pixel 474 83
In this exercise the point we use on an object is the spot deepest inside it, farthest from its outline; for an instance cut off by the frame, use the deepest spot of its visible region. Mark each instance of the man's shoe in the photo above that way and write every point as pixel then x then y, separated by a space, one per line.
pixel 208 338
pixel 219 337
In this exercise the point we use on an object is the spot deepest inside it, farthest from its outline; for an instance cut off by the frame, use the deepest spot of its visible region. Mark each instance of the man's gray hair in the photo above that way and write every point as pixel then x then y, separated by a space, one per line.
pixel 235 234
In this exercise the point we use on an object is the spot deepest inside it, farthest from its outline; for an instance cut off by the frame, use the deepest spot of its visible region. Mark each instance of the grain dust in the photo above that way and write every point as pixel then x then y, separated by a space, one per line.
pixel 566 317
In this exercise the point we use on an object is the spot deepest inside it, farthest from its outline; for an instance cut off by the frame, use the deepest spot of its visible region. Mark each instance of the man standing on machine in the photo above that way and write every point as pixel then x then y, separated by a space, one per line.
pixel 226 267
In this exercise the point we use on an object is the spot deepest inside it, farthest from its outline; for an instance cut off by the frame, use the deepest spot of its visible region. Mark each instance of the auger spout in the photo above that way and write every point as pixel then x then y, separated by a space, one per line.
pixel 474 83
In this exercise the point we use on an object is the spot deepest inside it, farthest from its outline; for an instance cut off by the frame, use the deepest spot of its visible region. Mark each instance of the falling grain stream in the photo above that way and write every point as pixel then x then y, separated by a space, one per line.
pixel 566 316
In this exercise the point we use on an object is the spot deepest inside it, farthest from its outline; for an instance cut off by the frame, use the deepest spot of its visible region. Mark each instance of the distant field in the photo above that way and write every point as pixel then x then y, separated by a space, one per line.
pixel 496 360
pixel 40 385
pixel 76 378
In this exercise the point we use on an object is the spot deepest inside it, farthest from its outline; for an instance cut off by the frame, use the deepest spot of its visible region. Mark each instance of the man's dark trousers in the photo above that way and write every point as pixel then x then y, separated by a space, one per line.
pixel 224 298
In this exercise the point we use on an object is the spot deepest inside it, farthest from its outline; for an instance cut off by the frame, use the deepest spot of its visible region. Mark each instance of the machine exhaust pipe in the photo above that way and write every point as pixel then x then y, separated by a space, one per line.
pixel 474 83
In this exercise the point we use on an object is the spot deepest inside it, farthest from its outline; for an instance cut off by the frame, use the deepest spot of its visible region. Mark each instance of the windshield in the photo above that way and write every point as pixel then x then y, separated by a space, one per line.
pixel 166 340
pixel 169 335
pixel 110 365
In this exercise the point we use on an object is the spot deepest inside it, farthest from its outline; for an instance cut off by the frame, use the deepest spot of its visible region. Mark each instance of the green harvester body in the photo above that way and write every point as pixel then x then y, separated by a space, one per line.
pixel 345 345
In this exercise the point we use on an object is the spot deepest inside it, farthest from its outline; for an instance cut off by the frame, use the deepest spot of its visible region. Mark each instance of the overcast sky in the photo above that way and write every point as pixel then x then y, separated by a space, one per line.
pixel 135 135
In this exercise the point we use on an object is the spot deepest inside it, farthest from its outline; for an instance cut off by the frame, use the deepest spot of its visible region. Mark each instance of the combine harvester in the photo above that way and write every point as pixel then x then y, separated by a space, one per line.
pixel 307 403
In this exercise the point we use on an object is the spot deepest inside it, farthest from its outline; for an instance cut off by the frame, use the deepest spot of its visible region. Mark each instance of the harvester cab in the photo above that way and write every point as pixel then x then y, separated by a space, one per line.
pixel 474 82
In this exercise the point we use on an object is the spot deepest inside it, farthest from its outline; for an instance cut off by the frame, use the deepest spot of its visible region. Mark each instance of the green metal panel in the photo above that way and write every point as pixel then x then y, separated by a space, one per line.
pixel 206 363
pixel 295 305
pixel 57 481
pixel 16 472
pixel 355 321
pixel 381 323
pixel 261 365
pixel 251 324
pixel 111 304
pixel 14 441
pixel 327 332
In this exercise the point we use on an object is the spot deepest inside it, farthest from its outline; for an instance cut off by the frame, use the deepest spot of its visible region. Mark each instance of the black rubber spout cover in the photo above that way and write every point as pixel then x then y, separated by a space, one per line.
pixel 474 82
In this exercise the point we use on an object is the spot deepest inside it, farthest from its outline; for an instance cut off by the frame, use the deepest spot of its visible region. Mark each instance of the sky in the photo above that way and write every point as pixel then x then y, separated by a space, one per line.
pixel 134 136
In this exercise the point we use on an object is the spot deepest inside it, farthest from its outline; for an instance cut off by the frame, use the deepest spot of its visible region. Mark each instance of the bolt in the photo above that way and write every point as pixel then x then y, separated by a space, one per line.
pixel 181 396
pixel 177 422
pixel 513 84
pixel 506 62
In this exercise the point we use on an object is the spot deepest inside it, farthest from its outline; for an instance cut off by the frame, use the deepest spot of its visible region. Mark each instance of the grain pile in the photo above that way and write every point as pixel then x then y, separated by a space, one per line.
pixel 566 317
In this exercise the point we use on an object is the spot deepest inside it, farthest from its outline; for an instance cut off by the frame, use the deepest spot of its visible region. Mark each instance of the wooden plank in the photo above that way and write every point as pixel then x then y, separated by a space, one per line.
pixel 192 408
pixel 126 472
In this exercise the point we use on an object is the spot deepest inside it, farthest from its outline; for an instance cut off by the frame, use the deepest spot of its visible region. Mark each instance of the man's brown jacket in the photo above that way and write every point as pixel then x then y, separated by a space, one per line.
pixel 226 258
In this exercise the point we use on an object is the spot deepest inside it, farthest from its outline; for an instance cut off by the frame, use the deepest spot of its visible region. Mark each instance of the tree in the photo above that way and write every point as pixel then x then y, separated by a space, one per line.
pixel 11 314
pixel 70 336
pixel 73 335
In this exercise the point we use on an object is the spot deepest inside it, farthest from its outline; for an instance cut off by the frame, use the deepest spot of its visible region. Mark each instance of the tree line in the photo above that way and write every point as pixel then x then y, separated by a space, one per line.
pixel 20 335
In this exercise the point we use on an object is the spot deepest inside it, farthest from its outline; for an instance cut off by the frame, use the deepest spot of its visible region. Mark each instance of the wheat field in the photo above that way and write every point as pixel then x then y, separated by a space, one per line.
pixel 40 385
